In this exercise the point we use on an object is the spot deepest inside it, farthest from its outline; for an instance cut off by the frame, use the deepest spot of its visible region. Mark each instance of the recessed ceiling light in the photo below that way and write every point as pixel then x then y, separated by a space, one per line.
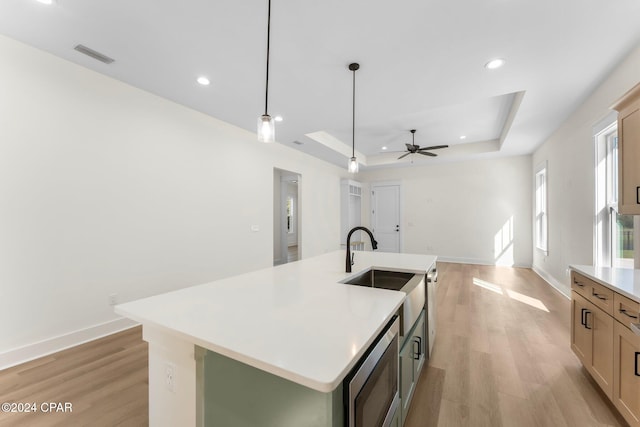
pixel 203 81
pixel 384 148
pixel 47 2
pixel 278 118
pixel 494 63
pixel 463 136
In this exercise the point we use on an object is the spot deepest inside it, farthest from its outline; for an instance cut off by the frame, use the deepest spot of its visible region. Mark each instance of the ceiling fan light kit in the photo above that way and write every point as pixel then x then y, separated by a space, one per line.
pixel 352 166
pixel 266 123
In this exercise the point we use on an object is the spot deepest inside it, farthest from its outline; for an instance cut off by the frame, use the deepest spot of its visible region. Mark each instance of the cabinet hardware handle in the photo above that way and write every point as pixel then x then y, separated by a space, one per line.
pixel 637 195
pixel 582 321
pixel 600 297
pixel 585 319
pixel 635 368
pixel 578 283
pixel 623 311
pixel 416 354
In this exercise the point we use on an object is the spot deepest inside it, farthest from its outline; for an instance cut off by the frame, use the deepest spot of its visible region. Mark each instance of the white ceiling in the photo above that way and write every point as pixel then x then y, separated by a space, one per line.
pixel 422 64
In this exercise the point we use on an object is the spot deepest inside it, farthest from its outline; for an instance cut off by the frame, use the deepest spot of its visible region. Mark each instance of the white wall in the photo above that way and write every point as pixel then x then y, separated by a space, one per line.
pixel 477 211
pixel 106 189
pixel 571 177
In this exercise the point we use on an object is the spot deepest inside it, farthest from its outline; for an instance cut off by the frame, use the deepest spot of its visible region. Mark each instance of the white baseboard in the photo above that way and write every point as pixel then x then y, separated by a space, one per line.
pixel 52 345
pixel 476 261
pixel 552 282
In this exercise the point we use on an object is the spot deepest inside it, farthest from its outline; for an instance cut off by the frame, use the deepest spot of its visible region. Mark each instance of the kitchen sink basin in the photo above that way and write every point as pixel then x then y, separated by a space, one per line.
pixel 385 279
pixel 412 284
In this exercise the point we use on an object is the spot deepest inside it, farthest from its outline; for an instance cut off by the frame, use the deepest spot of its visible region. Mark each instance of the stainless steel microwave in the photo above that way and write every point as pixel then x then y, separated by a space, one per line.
pixel 371 389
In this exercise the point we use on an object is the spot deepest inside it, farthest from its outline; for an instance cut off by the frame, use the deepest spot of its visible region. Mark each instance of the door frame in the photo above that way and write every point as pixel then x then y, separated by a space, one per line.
pixel 375 184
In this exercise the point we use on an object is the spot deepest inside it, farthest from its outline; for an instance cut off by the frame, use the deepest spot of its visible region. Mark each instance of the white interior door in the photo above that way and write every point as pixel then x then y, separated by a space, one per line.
pixel 385 216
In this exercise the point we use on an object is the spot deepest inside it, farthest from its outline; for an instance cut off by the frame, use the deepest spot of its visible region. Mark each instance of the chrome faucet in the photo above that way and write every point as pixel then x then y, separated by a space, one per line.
pixel 374 245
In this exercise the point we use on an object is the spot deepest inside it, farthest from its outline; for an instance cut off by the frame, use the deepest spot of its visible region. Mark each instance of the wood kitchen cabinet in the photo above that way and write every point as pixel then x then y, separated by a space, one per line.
pixel 628 108
pixel 581 337
pixel 602 338
pixel 627 374
pixel 412 357
pixel 592 340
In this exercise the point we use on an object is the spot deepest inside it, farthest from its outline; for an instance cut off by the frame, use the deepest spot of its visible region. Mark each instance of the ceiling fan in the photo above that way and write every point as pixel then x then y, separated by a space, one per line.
pixel 413 148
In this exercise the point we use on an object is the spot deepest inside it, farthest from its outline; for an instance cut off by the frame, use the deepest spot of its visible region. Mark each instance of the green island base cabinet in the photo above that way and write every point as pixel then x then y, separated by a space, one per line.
pixel 239 395
pixel 412 358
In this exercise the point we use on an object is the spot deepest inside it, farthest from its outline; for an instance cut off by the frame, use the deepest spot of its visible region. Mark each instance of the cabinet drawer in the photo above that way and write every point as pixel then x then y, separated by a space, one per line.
pixel 625 310
pixel 580 284
pixel 602 297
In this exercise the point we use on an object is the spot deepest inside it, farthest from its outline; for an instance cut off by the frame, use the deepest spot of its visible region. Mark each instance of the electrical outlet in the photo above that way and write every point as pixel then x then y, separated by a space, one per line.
pixel 170 377
pixel 113 299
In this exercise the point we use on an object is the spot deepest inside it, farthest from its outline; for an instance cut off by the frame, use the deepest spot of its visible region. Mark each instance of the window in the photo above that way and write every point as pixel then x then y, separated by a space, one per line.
pixel 614 237
pixel 541 208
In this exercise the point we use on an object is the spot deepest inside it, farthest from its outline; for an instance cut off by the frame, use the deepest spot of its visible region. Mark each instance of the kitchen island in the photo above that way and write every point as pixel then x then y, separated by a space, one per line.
pixel 295 322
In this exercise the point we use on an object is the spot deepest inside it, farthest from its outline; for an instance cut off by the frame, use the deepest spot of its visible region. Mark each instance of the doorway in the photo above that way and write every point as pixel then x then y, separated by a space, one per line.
pixel 286 217
pixel 386 215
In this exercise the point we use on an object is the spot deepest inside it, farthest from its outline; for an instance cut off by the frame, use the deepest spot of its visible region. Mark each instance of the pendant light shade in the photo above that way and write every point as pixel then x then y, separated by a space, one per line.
pixel 353 165
pixel 266 128
pixel 266 124
pixel 353 162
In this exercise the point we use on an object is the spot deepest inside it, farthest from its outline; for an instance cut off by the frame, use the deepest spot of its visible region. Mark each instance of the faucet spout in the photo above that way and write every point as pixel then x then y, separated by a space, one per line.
pixel 374 245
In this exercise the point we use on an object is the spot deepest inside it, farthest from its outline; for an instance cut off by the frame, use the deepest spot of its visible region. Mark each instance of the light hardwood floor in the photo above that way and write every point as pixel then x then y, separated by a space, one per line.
pixel 501 358
pixel 105 380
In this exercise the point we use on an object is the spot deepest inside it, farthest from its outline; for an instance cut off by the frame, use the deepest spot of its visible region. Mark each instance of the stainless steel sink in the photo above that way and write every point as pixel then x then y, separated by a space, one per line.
pixel 385 279
pixel 412 284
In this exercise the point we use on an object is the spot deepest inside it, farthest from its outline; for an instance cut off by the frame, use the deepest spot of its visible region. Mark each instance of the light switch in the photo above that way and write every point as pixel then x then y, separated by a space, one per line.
pixel 255 228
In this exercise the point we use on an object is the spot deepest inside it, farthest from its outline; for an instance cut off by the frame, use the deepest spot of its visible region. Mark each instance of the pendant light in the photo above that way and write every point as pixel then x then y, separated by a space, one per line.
pixel 353 162
pixel 266 123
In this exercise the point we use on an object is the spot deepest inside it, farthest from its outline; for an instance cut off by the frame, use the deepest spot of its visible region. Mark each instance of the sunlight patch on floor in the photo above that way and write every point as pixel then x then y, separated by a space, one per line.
pixel 532 302
pixel 487 285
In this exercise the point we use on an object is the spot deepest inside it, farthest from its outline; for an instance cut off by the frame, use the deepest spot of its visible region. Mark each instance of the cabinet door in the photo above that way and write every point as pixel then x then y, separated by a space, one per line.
pixel 407 377
pixel 420 345
pixel 396 421
pixel 626 390
pixel 581 337
pixel 601 368
pixel 629 154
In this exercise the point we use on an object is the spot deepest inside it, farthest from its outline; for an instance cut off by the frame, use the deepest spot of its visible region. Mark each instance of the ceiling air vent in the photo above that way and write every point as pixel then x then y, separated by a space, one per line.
pixel 92 53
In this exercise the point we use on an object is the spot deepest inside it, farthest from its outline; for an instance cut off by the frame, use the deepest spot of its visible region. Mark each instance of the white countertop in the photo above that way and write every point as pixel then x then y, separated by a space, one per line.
pixel 294 320
pixel 625 281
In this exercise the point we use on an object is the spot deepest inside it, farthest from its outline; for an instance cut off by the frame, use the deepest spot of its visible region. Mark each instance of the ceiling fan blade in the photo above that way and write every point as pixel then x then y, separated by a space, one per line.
pixel 425 153
pixel 403 156
pixel 434 147
pixel 411 147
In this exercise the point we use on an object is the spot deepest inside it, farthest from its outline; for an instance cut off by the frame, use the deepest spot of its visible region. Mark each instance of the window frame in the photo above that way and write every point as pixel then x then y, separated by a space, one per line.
pixel 541 213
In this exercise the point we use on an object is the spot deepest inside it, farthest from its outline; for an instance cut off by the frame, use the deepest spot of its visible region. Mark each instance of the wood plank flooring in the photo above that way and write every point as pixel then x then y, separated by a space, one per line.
pixel 501 358
pixel 105 380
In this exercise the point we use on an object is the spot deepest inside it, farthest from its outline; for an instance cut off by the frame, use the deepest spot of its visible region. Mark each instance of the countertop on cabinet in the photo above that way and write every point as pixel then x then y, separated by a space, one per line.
pixel 294 320
pixel 625 281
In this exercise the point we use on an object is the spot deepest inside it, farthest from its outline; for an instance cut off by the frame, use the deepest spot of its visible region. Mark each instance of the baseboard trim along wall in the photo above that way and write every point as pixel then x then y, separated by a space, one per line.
pixel 477 261
pixel 62 342
pixel 552 282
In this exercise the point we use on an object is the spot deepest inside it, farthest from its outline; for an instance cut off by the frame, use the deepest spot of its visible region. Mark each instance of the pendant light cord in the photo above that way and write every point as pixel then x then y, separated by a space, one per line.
pixel 353 123
pixel 266 95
